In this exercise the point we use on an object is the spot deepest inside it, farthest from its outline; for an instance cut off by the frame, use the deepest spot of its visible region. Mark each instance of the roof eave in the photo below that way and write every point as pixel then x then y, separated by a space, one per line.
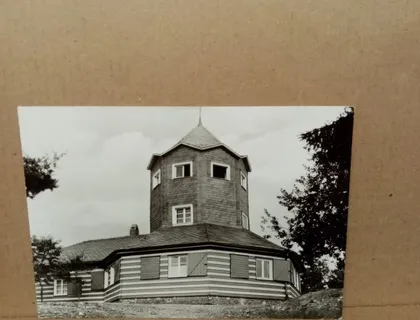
pixel 204 245
pixel 157 155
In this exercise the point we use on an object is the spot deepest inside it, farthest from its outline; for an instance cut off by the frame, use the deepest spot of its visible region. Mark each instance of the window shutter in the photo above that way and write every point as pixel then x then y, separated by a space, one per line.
pixel 239 266
pixel 282 270
pixel 197 264
pixel 97 280
pixel 149 268
pixel 72 288
pixel 117 271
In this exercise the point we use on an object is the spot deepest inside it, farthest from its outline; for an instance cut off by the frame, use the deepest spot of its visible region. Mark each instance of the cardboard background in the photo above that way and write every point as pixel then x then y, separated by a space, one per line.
pixel 363 53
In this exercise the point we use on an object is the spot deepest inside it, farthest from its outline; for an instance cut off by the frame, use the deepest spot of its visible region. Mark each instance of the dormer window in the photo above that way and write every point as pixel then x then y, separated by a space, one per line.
pixel 182 215
pixel 156 179
pixel 220 171
pixel 244 181
pixel 181 170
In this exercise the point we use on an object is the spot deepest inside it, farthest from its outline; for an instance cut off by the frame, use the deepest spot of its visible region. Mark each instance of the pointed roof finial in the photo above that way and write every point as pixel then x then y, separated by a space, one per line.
pixel 199 116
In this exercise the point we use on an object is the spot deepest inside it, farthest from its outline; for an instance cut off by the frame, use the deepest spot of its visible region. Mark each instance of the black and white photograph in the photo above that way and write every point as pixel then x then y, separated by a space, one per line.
pixel 188 212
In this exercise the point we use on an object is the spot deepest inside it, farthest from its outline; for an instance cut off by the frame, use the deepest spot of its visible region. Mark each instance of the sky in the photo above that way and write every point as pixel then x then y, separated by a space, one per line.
pixel 103 177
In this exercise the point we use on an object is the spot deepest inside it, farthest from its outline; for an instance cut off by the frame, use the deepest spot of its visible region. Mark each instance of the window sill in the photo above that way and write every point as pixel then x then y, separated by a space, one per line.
pixel 264 279
pixel 182 224
pixel 220 178
pixel 177 178
pixel 177 277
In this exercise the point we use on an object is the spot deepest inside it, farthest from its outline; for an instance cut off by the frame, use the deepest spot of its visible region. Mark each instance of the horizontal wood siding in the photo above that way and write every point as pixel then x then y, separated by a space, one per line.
pixel 112 293
pixel 130 269
pixel 217 283
pixel 164 267
pixel 87 294
pixel 292 291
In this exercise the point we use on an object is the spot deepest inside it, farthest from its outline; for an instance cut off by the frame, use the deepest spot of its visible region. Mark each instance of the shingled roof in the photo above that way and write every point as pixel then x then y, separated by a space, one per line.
pixel 201 139
pixel 98 250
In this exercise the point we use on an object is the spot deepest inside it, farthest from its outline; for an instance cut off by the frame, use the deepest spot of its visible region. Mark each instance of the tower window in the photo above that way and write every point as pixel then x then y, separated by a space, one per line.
pixel 243 180
pixel 182 215
pixel 156 179
pixel 181 170
pixel 220 171
pixel 245 224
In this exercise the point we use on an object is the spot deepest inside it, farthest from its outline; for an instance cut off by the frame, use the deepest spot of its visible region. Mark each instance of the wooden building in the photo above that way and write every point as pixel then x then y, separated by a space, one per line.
pixel 199 243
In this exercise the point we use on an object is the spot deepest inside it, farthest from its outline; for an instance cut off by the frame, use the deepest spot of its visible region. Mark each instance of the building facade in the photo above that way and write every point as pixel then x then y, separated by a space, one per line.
pixel 199 242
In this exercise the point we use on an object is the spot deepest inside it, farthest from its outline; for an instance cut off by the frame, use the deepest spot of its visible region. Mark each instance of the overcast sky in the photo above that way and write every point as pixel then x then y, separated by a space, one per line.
pixel 103 180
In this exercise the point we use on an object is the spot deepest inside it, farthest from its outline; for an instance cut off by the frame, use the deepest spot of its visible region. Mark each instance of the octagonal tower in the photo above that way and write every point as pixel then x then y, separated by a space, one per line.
pixel 199 180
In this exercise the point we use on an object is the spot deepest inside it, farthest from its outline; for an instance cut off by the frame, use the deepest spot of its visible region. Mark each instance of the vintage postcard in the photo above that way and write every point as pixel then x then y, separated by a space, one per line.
pixel 188 212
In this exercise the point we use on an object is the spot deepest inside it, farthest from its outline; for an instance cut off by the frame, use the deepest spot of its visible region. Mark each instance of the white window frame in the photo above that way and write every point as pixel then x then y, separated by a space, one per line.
pixel 270 268
pixel 63 284
pixel 156 182
pixel 244 180
pixel 221 165
pixel 183 169
pixel 109 273
pixel 174 215
pixel 176 271
pixel 296 279
pixel 243 215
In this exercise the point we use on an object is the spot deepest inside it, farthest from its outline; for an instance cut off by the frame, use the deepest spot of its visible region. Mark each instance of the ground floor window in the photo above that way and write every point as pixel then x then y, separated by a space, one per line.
pixel 109 277
pixel 264 269
pixel 177 266
pixel 60 287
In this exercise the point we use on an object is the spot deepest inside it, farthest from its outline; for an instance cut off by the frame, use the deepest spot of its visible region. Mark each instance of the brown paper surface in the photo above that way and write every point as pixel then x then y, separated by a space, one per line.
pixel 161 52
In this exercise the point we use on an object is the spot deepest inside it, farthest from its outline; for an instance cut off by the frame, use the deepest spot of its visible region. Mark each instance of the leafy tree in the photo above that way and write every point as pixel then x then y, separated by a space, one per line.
pixel 45 256
pixel 39 172
pixel 48 263
pixel 318 204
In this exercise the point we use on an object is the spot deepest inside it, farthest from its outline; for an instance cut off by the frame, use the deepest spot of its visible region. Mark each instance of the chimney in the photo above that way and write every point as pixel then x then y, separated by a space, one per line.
pixel 134 230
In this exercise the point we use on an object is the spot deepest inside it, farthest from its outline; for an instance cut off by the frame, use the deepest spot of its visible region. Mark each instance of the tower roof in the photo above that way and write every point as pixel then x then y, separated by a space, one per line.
pixel 200 138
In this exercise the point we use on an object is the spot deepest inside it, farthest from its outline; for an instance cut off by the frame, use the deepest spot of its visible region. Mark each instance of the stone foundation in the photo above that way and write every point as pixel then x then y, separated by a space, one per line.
pixel 202 300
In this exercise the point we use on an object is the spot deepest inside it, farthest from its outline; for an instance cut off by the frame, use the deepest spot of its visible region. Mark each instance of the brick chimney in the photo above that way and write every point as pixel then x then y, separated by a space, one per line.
pixel 134 230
